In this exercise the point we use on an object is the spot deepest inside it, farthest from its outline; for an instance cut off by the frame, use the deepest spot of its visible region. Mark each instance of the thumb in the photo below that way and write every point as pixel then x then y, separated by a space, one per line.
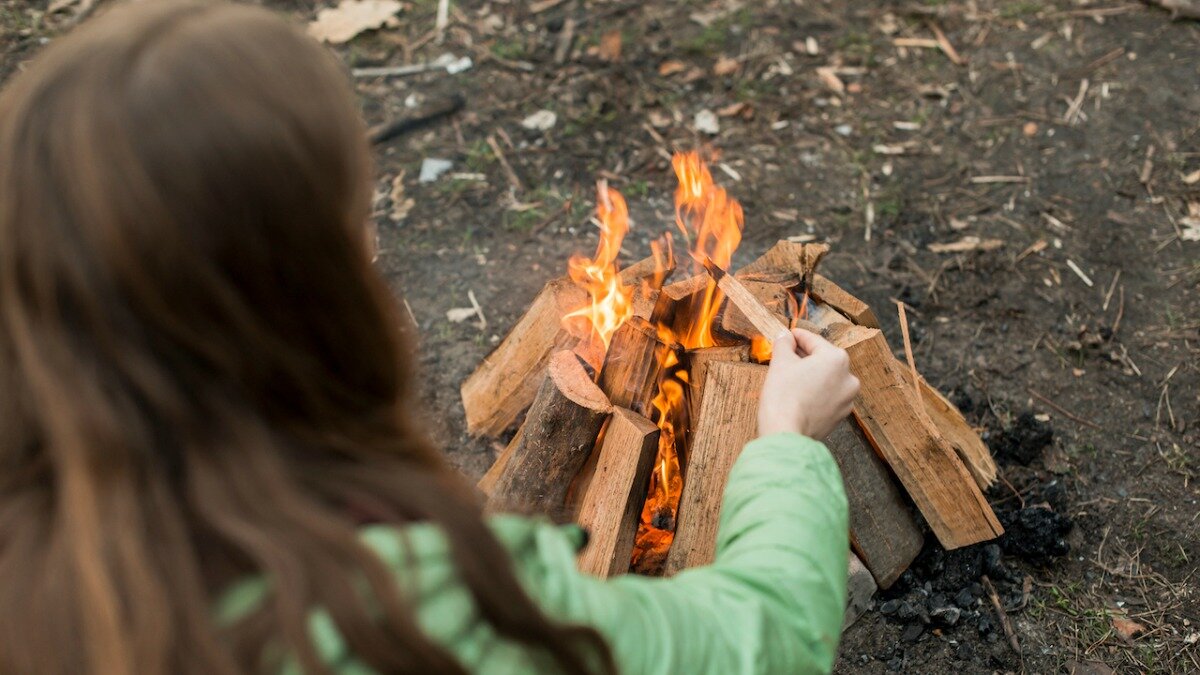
pixel 809 342
pixel 783 347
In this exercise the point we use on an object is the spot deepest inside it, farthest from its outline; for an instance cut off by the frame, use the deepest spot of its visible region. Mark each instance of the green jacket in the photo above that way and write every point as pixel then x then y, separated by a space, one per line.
pixel 772 602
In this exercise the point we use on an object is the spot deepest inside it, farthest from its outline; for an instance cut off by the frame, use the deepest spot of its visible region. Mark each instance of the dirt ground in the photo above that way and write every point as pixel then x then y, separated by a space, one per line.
pixel 1069 134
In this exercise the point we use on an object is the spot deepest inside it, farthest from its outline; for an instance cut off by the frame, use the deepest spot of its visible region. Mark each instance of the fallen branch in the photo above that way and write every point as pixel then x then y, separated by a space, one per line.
pixel 1005 623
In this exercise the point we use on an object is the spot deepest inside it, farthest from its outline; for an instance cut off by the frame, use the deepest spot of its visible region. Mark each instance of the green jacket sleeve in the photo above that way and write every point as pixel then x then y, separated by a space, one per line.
pixel 773 600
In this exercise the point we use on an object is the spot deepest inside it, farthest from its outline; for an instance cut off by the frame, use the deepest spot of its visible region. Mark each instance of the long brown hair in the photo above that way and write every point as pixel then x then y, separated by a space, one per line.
pixel 201 376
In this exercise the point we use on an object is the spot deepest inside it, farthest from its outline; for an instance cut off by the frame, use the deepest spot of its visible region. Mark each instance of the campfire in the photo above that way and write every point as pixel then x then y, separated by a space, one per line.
pixel 631 398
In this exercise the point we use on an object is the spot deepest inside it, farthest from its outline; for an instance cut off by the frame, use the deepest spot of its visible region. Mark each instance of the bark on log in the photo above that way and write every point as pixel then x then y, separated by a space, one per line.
pixel 833 295
pixel 895 422
pixel 555 441
pixel 860 588
pixel 612 503
pixel 882 530
pixel 631 368
pixel 728 420
pixel 503 386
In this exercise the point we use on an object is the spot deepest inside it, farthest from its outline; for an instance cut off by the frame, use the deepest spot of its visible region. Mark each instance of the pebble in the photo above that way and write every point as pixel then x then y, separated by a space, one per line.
pixel 889 607
pixel 844 129
pixel 965 599
pixel 913 632
pixel 907 611
pixel 985 625
pixel 947 616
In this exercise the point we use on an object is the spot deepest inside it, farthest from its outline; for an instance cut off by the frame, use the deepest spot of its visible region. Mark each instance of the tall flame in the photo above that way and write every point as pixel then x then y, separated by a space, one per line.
pixel 611 301
pixel 711 224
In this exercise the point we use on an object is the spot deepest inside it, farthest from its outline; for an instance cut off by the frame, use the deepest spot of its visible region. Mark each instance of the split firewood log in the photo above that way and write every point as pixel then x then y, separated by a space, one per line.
pixel 893 417
pixel 504 384
pixel 631 367
pixel 728 420
pixel 536 471
pixel 612 503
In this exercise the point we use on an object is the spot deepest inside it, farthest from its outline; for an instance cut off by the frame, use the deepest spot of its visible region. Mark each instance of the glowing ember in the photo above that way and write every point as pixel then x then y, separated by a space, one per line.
pixel 611 302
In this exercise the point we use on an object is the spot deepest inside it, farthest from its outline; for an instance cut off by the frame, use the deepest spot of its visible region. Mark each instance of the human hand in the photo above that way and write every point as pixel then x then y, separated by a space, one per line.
pixel 809 389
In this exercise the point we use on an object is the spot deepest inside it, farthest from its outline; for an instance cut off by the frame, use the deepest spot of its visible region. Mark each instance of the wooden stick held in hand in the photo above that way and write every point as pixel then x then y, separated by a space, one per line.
pixel 763 320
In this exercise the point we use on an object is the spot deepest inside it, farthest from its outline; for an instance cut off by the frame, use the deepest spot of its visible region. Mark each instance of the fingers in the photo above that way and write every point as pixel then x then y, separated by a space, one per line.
pixel 809 342
pixel 783 346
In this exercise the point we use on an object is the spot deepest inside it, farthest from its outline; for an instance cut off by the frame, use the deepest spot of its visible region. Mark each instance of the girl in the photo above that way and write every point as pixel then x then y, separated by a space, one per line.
pixel 206 460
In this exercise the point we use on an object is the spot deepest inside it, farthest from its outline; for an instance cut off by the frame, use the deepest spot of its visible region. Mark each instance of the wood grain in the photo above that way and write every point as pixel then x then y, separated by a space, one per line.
pixel 727 421
pixel 505 383
pixel 833 295
pixel 903 434
pixel 612 503
pixel 555 441
pixel 631 367
pixel 971 449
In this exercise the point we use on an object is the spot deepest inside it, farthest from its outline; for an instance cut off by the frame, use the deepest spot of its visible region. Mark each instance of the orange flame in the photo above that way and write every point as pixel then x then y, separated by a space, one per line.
pixel 612 301
pixel 711 222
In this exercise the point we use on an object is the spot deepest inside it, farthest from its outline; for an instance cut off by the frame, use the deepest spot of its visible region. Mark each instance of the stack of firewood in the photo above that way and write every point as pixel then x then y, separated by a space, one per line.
pixel 586 439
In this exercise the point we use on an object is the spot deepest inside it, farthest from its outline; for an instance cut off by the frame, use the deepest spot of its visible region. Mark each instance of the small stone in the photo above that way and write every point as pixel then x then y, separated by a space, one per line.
pixel 844 129
pixel 985 625
pixel 991 558
pixel 895 665
pixel 542 120
pixel 913 632
pixel 964 599
pixel 706 123
pixel 907 611
pixel 889 607
pixel 946 616
pixel 432 168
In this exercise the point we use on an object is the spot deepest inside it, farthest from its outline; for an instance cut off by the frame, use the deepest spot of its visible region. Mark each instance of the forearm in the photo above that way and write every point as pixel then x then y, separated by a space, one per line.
pixel 771 602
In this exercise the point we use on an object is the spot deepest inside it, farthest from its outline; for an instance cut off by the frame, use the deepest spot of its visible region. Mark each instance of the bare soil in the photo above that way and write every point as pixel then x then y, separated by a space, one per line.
pixel 1087 317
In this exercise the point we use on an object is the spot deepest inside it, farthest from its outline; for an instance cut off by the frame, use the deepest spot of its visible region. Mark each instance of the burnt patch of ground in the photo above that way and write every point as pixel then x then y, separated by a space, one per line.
pixel 1068 132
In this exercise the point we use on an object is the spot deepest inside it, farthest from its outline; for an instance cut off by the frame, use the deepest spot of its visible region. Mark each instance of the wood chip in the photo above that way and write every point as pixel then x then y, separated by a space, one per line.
pixel 543 5
pixel 610 46
pixel 1079 273
pixel 401 204
pixel 1192 178
pixel 726 66
pixel 918 43
pixel 1036 247
pixel 947 48
pixel 669 68
pixel 830 79
pixel 967 244
pixel 340 24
